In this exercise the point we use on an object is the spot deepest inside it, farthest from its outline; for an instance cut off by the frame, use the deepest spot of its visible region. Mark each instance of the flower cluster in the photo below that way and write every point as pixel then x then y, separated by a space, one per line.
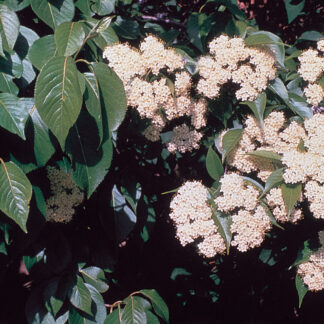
pixel 157 85
pixel 65 196
pixel 231 61
pixel 312 271
pixel 192 217
pixel 249 219
pixel 311 69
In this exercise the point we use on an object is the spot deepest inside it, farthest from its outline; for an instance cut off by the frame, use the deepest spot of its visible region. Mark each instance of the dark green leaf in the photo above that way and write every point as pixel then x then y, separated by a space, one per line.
pixel 299 105
pixel 98 307
pixel 17 5
pixel 53 14
pixel 270 215
pixel 230 140
pixel 301 289
pixel 125 28
pixel 159 306
pixel 303 253
pixel 112 93
pixel 7 85
pixel 95 277
pixel 151 318
pixel 214 165
pixel 81 297
pixel 12 65
pixel 58 96
pixel 42 50
pixel 69 37
pixel 274 180
pixel 114 317
pixel 63 318
pixel 258 107
pixel 104 7
pixel 43 146
pixel 291 194
pixel 312 35
pixel 278 87
pixel 90 164
pixel 13 114
pixel 133 312
pixel 15 193
pixel 9 27
pixel 193 30
pixel 53 301
pixel 293 10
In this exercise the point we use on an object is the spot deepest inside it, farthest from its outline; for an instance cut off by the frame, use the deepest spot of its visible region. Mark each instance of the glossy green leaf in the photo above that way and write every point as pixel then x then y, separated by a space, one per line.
pixel 293 10
pixel 17 5
pixel 258 107
pixel 278 87
pixel 159 306
pixel 269 155
pixel 104 7
pixel 151 318
pixel 58 96
pixel 63 318
pixel 112 93
pixel 13 114
pixel 311 35
pixel 193 30
pixel 7 85
pixel 12 65
pixel 302 289
pixel 214 165
pixel 223 223
pixel 43 146
pixel 95 277
pixel 92 101
pixel 69 37
pixel 80 297
pixel 9 27
pixel 272 41
pixel 230 140
pixel 42 50
pixel 291 194
pixel 126 28
pixel 274 180
pixel 115 316
pixel 53 14
pixel 15 193
pixel 299 106
pixel 133 312
pixel 53 301
pixel 90 164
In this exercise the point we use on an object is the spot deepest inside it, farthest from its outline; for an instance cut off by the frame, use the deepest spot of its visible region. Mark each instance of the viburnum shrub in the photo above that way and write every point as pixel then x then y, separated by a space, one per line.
pixel 135 134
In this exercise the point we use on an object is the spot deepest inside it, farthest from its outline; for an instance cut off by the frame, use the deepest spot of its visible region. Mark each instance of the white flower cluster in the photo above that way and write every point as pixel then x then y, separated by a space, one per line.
pixel 311 69
pixel 312 271
pixel 65 196
pixel 160 100
pixel 231 61
pixel 192 217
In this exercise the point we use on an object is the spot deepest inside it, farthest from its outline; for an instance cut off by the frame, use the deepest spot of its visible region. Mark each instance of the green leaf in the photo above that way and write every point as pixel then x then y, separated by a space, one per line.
pixel 278 87
pixel 311 35
pixel 159 306
pixel 151 318
pixel 126 28
pixel 291 194
pixel 112 93
pixel 12 65
pixel 15 193
pixel 258 107
pixel 293 10
pixel 63 318
pixel 90 164
pixel 270 215
pixel 58 96
pixel 42 50
pixel 299 106
pixel 43 146
pixel 230 140
pixel 104 7
pixel 13 114
pixel 17 5
pixel 114 317
pixel 193 30
pixel 223 222
pixel 7 85
pixel 53 300
pixel 303 253
pixel 133 312
pixel 214 165
pixel 80 297
pixel 9 27
pixel 269 155
pixel 92 101
pixel 98 307
pixel 53 14
pixel 274 180
pixel 69 37
pixel 272 41
pixel 95 277
pixel 302 289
